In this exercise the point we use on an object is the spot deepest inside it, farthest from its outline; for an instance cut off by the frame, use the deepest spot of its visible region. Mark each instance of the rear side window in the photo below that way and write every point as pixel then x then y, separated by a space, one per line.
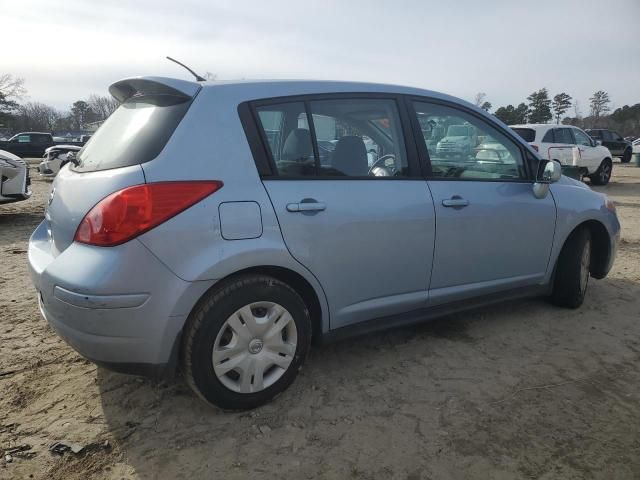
pixel 597 134
pixel 335 138
pixel 527 134
pixel 548 137
pixel 135 133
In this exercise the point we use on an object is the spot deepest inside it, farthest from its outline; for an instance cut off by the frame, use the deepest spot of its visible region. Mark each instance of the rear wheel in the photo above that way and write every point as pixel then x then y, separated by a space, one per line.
pixel 626 156
pixel 245 342
pixel 603 174
pixel 572 270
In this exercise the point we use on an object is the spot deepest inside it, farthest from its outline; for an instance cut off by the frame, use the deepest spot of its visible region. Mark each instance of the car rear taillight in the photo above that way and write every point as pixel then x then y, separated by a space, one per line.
pixel 535 147
pixel 130 212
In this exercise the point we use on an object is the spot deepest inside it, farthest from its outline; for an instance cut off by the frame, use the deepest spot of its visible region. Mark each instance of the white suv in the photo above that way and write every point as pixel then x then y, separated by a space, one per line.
pixel 571 147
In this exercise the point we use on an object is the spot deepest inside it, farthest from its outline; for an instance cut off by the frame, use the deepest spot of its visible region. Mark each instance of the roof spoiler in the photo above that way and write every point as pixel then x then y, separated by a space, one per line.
pixel 125 89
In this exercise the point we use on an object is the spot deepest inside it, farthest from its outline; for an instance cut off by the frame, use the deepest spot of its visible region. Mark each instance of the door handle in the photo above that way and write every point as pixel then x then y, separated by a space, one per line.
pixel 455 201
pixel 306 207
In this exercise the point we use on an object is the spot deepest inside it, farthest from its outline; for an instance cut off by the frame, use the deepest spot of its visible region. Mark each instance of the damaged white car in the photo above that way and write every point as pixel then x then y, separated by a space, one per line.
pixel 14 178
pixel 55 158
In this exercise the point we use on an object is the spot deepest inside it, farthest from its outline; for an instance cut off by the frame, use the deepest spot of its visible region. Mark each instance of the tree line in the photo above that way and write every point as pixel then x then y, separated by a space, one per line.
pixel 541 108
pixel 17 114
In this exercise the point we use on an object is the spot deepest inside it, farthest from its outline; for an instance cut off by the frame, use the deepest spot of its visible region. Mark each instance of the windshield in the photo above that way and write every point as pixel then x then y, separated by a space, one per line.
pixel 135 133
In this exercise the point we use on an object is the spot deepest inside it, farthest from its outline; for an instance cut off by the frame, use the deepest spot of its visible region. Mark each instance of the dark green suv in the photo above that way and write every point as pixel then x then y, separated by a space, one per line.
pixel 618 146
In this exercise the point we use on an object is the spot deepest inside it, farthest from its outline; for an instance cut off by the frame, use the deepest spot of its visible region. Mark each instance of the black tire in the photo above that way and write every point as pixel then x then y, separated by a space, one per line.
pixel 570 281
pixel 603 174
pixel 205 322
pixel 626 156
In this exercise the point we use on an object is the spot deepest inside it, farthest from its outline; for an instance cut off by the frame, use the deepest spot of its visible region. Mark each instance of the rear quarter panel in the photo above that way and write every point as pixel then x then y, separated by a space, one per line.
pixel 210 144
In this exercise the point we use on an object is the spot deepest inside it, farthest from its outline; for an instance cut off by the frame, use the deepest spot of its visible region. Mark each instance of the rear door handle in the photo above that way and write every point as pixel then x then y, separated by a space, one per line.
pixel 306 207
pixel 455 201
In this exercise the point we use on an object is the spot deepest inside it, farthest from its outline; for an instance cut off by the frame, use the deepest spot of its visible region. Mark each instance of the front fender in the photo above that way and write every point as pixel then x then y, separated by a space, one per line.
pixel 577 204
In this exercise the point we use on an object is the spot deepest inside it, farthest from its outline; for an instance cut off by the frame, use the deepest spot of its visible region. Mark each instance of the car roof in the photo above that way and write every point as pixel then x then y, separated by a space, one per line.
pixel 540 126
pixel 249 90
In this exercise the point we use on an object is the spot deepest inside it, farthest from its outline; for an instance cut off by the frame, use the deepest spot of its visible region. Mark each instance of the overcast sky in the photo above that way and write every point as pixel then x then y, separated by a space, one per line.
pixel 68 49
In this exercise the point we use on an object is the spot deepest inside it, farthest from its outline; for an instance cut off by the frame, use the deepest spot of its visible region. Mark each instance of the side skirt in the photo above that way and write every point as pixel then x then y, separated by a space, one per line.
pixel 430 313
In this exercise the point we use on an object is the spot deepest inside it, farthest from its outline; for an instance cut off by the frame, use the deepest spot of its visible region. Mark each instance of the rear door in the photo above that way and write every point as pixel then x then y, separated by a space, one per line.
pixel 492 234
pixel 350 201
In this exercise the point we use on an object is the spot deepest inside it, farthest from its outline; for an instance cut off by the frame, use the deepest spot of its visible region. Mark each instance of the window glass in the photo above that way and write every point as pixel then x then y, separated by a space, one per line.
pixel 548 137
pixel 615 137
pixel 134 134
pixel 463 146
pixel 527 134
pixel 24 138
pixel 597 134
pixel 355 138
pixel 287 132
pixel 359 138
pixel 581 138
pixel 563 135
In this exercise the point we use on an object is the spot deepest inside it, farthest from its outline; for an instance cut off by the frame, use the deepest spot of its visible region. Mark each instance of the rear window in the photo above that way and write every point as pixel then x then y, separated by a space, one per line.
pixel 527 134
pixel 135 133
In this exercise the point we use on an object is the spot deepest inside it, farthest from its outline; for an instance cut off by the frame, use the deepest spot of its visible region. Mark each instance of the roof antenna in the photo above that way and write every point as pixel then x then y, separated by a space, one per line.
pixel 198 77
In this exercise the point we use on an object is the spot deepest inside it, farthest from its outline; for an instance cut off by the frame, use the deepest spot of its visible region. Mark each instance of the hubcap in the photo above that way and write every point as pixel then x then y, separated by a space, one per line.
pixel 604 174
pixel 254 347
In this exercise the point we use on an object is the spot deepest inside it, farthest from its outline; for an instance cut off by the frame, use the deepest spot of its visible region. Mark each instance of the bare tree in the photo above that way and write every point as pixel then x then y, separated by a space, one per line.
pixel 102 105
pixel 12 88
pixel 479 99
pixel 37 116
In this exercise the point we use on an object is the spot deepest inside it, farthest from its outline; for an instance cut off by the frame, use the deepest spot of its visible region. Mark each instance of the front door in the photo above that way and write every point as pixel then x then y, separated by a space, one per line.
pixel 492 234
pixel 350 207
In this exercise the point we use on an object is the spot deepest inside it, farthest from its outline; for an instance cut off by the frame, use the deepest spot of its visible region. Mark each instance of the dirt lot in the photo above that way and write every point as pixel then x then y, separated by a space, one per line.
pixel 521 390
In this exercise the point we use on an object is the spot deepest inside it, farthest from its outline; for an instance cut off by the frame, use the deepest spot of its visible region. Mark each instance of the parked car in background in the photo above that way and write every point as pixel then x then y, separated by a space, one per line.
pixel 228 265
pixel 55 158
pixel 618 146
pixel 28 144
pixel 14 178
pixel 460 140
pixel 570 146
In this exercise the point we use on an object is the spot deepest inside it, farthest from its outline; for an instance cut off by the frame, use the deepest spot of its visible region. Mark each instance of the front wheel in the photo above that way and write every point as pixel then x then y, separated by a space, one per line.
pixel 603 174
pixel 572 270
pixel 245 342
pixel 626 156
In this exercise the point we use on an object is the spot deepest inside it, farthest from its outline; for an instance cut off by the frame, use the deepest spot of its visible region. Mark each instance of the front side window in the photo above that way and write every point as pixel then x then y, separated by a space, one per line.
pixel 462 146
pixel 582 138
pixel 563 135
pixel 353 138
pixel 24 138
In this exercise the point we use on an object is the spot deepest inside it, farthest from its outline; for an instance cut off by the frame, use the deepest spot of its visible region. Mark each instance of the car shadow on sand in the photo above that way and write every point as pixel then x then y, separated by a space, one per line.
pixel 475 358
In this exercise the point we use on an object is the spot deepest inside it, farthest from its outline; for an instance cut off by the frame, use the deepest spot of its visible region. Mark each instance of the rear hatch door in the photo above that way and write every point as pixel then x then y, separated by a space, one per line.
pixel 136 133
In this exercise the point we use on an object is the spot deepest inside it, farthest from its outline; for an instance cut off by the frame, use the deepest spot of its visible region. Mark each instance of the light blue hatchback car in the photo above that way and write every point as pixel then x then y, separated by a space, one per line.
pixel 218 228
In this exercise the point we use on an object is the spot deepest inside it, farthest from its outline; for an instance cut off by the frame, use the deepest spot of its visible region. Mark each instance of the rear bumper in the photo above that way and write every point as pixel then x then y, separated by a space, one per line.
pixel 119 307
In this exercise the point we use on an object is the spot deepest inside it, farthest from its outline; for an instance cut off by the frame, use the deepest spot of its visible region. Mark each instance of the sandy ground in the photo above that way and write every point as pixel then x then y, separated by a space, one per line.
pixel 521 390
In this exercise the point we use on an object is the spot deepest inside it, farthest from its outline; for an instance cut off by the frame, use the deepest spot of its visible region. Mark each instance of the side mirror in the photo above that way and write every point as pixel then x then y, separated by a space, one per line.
pixel 549 171
pixel 598 142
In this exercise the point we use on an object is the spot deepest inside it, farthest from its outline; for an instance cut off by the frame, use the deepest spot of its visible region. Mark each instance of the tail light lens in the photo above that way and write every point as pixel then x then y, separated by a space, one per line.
pixel 130 212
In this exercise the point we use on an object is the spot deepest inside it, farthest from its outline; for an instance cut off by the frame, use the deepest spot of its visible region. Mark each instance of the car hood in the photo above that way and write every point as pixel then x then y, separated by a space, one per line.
pixel 10 158
pixel 456 139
